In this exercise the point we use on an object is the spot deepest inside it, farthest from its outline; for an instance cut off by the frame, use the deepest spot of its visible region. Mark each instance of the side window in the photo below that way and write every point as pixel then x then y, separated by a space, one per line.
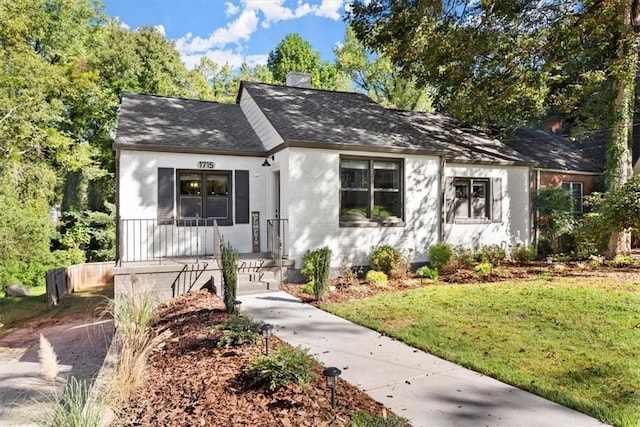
pixel 576 191
pixel 471 200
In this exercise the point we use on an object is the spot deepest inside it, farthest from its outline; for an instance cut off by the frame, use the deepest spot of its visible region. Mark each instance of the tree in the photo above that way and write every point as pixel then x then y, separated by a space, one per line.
pixel 377 77
pixel 295 54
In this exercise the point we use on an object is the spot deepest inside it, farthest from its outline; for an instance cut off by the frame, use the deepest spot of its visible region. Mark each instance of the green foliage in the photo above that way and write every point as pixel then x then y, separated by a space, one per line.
pixel 387 259
pixel 428 273
pixel 463 257
pixel 377 278
pixel 367 419
pixel 523 254
pixel 493 254
pixel 308 288
pixel 556 217
pixel 321 270
pixel 484 268
pixel 283 366
pixel 620 209
pixel 75 408
pixel 440 255
pixel 308 265
pixel 229 276
pixel 238 331
pixel 623 261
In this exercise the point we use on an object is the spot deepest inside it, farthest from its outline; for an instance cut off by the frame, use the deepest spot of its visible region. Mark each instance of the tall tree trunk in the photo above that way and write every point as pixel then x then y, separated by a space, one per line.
pixel 619 163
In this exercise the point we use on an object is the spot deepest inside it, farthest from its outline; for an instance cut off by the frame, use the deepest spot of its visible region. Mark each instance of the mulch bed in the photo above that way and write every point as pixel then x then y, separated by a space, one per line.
pixel 193 383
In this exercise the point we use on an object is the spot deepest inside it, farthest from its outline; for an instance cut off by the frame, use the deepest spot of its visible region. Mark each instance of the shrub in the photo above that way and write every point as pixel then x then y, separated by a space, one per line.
pixel 484 268
pixel 493 254
pixel 284 366
pixel 308 264
pixel 377 278
pixel 463 257
pixel 321 270
pixel 387 259
pixel 523 254
pixel 238 331
pixel 428 273
pixel 229 276
pixel 367 419
pixel 440 255
pixel 307 289
pixel 623 261
pixel 76 407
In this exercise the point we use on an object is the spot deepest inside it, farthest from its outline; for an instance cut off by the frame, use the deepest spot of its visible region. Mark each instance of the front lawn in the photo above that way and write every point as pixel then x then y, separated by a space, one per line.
pixel 575 341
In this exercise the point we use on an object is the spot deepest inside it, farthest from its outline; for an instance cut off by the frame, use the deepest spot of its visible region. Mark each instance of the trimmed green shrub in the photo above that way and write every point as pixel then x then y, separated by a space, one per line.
pixel 387 259
pixel 367 419
pixel 523 254
pixel 463 257
pixel 308 289
pixel 284 366
pixel 238 331
pixel 377 278
pixel 321 270
pixel 623 261
pixel 440 255
pixel 484 268
pixel 428 273
pixel 493 254
pixel 308 265
pixel 229 276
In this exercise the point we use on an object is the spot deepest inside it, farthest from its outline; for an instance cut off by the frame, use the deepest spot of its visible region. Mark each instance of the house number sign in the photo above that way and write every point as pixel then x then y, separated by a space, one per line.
pixel 207 165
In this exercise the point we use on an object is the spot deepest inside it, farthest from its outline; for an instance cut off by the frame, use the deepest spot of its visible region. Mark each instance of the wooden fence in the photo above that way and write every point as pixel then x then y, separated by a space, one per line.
pixel 64 280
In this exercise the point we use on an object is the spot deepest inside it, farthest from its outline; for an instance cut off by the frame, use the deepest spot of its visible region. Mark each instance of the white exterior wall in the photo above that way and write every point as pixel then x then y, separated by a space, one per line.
pixel 259 122
pixel 138 194
pixel 515 225
pixel 311 194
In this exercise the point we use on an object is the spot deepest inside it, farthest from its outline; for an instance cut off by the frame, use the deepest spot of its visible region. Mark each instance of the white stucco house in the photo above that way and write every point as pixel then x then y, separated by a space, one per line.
pixel 309 168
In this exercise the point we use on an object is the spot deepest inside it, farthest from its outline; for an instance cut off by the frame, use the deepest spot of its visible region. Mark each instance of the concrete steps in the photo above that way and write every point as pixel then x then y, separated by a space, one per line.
pixel 258 275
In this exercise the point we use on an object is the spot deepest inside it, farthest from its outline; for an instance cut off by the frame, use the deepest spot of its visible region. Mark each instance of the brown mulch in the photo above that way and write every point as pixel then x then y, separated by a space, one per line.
pixel 193 383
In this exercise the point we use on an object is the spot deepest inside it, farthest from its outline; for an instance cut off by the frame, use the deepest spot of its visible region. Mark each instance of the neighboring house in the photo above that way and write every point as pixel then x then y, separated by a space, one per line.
pixel 559 163
pixel 305 168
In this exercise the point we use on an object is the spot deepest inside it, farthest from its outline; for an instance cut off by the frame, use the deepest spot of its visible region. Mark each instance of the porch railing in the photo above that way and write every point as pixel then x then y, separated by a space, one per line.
pixel 276 238
pixel 155 239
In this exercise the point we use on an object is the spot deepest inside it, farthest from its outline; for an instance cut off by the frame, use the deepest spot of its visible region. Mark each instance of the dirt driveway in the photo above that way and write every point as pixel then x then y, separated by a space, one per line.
pixel 81 343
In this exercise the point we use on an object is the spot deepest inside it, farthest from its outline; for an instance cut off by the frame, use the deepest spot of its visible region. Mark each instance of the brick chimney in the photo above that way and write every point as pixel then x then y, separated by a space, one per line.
pixel 552 125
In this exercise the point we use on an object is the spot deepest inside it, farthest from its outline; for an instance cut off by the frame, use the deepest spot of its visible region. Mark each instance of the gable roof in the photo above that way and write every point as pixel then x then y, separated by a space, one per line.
pixel 312 117
pixel 149 122
pixel 552 151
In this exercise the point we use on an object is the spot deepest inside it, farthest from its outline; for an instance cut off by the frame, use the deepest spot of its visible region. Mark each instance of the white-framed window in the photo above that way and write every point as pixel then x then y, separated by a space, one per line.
pixel 371 190
pixel 204 195
pixel 576 191
pixel 473 200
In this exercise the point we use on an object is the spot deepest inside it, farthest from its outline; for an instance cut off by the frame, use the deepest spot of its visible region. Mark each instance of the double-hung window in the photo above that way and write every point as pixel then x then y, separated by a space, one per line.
pixel 575 189
pixel 473 200
pixel 204 195
pixel 371 190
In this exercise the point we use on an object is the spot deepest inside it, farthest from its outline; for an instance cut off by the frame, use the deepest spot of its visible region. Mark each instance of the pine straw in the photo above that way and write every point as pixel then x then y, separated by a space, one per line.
pixel 191 382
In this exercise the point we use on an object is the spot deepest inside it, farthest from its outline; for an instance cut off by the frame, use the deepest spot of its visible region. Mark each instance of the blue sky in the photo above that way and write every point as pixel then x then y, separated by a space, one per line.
pixel 235 31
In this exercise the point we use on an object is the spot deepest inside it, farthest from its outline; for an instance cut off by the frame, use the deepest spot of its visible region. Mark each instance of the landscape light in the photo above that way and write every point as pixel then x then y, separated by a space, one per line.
pixel 331 374
pixel 266 333
pixel 236 307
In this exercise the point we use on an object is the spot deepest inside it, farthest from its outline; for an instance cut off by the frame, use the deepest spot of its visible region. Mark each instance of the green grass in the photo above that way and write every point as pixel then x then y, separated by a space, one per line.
pixel 576 343
pixel 15 311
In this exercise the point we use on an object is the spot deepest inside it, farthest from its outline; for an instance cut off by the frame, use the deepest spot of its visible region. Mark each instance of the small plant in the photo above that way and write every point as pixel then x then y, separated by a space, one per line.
pixel 493 254
pixel 523 254
pixel 229 276
pixel 387 259
pixel 284 366
pixel 463 257
pixel 428 273
pixel 623 261
pixel 307 289
pixel 483 269
pixel 308 265
pixel 377 278
pixel 321 270
pixel 238 331
pixel 367 419
pixel 596 261
pixel 348 273
pixel 75 408
pixel 440 255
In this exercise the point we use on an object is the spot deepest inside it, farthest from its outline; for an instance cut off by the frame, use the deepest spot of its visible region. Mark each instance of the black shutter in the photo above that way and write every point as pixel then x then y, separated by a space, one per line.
pixel 242 197
pixel 166 195
pixel 449 199
pixel 496 200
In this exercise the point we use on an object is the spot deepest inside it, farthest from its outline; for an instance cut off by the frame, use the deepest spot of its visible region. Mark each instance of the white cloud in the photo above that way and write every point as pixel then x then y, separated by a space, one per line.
pixel 161 29
pixel 223 56
pixel 235 31
pixel 330 9
pixel 231 9
pixel 122 23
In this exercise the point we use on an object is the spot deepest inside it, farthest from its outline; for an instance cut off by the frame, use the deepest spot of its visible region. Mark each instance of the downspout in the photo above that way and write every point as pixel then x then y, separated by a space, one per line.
pixel 537 218
pixel 118 239
pixel 441 184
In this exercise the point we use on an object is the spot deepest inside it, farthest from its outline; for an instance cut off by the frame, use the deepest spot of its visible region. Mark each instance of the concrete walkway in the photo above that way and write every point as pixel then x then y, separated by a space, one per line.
pixel 423 388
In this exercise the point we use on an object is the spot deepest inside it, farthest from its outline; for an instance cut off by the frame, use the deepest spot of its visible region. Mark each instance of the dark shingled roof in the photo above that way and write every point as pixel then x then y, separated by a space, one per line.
pixel 173 124
pixel 346 119
pixel 552 151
